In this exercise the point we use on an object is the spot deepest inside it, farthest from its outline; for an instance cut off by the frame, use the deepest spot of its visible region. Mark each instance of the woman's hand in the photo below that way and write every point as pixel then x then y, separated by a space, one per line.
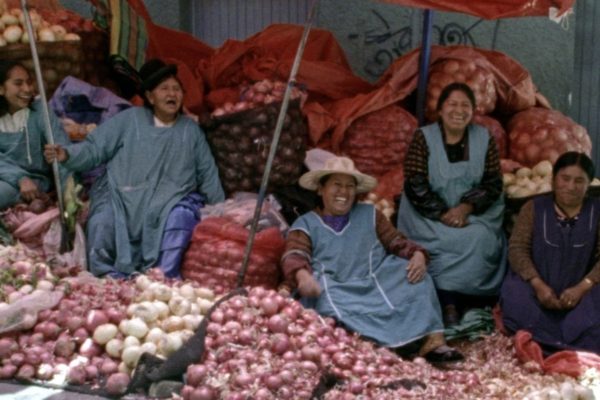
pixel 545 294
pixel 307 285
pixel 28 189
pixel 417 267
pixel 55 152
pixel 456 217
pixel 570 297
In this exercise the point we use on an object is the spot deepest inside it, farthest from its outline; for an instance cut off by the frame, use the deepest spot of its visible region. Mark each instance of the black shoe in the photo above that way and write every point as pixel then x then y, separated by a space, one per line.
pixel 440 357
pixel 451 316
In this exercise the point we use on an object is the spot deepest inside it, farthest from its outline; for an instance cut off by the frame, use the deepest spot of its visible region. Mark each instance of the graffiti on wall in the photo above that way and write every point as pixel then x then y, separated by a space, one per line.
pixel 390 43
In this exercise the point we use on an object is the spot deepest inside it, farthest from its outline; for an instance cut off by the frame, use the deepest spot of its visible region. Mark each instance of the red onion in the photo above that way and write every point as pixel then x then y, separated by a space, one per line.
pixel 109 367
pixel 36 339
pixel 116 315
pixel 65 347
pixel 94 319
pixel 7 347
pixel 195 374
pixel 244 379
pixel 278 324
pixel 203 393
pixel 89 348
pixel 91 372
pixel 280 343
pixel 273 382
pixel 312 352
pixel 217 316
pixel 8 371
pixel 247 318
pixel 74 322
pixel 76 375
pixel 17 359
pixel 80 335
pixel 247 336
pixel 186 392
pixel 116 384
pixel 269 306
pixel 26 371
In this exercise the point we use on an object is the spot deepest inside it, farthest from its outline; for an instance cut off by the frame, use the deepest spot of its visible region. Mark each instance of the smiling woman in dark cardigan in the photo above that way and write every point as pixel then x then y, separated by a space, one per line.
pixel 551 289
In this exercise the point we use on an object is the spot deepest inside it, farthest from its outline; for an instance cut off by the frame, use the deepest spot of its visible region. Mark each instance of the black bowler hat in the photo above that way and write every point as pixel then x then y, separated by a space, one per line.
pixel 154 71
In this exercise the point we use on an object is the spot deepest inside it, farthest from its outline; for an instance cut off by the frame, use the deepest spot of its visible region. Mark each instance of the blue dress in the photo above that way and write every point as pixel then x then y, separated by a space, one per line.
pixel 472 259
pixel 365 288
pixel 149 170
pixel 21 155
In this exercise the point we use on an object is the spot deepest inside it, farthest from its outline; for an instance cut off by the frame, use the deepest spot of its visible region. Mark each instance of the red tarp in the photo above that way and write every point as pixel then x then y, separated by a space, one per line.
pixel 490 9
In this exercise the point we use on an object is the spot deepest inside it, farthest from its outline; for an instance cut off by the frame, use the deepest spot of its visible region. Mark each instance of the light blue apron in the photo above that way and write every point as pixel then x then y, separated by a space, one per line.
pixel 472 259
pixel 365 288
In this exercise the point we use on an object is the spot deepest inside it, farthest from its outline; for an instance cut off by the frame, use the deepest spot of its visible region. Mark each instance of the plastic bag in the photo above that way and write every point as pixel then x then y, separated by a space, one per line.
pixel 51 244
pixel 22 314
pixel 240 209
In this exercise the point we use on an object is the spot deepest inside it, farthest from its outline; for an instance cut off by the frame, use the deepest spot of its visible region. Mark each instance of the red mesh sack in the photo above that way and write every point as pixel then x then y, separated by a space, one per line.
pixel 377 142
pixel 480 79
pixel 216 252
pixel 390 185
pixel 496 131
pixel 539 134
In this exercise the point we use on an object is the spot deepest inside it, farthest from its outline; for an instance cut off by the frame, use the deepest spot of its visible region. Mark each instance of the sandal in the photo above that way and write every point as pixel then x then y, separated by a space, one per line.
pixel 446 356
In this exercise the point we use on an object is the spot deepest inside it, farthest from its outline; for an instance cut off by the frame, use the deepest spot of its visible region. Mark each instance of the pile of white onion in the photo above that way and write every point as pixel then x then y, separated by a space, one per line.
pixel 526 181
pixel 159 322
pixel 13 28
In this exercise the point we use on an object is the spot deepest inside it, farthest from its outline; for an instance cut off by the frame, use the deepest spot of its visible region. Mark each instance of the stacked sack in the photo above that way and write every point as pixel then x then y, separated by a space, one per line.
pixel 241 142
pixel 214 258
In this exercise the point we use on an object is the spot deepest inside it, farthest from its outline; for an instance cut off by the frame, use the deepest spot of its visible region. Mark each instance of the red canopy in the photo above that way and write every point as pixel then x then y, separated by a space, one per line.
pixel 490 9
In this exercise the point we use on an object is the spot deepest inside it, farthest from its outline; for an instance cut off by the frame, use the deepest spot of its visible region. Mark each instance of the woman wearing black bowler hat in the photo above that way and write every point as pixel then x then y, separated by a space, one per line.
pixel 159 173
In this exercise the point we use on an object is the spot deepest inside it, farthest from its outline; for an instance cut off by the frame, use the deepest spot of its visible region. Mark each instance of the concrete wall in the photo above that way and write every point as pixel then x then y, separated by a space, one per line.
pixel 373 34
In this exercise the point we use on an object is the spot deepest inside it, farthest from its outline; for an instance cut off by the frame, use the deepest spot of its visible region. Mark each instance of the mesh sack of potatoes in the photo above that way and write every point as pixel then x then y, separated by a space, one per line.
pixel 241 142
pixel 479 79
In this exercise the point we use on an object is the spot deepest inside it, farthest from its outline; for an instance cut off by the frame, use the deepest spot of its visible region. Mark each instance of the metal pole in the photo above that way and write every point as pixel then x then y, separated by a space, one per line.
pixel 46 112
pixel 275 142
pixel 425 55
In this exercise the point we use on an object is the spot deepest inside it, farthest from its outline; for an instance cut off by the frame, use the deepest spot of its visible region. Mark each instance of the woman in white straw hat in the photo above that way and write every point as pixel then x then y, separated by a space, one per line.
pixel 348 262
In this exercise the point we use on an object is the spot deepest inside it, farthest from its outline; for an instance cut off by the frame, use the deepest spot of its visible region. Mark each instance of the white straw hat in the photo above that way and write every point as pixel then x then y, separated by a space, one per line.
pixel 338 165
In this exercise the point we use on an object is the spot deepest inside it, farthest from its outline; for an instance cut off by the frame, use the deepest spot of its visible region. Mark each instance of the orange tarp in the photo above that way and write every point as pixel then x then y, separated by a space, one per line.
pixel 490 9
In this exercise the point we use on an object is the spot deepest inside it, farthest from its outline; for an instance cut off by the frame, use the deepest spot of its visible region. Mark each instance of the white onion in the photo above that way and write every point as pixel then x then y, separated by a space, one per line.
pixel 187 291
pixel 149 347
pixel 131 355
pixel 162 309
pixel 9 19
pixel 154 335
pixel 46 35
pixel 12 33
pixel 136 327
pixel 131 341
pixel 72 37
pixel 59 33
pixel 114 347
pixel 104 333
